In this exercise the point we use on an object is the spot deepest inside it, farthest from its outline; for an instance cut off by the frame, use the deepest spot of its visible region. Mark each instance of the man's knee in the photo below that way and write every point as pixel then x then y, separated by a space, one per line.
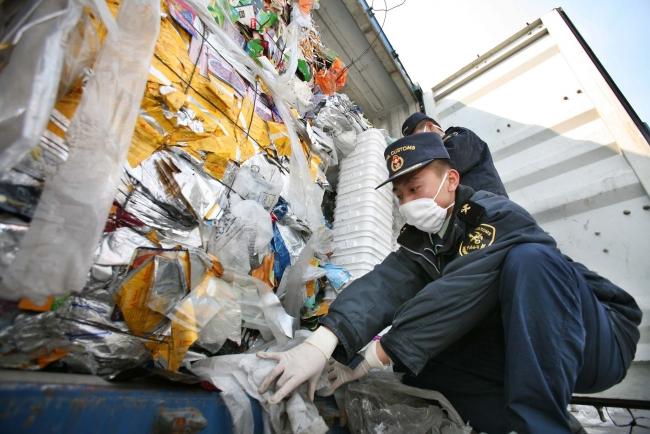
pixel 531 267
pixel 528 255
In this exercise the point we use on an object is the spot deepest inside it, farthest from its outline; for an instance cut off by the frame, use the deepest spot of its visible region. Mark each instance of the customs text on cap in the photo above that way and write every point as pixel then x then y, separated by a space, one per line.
pixel 412 152
pixel 412 121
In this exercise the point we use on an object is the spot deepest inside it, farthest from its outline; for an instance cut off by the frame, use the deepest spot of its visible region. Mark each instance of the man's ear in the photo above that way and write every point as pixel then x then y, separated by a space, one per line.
pixel 454 180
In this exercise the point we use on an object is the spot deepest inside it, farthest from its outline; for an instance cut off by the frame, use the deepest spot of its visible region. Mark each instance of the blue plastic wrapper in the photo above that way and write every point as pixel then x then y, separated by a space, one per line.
pixel 337 275
pixel 282 257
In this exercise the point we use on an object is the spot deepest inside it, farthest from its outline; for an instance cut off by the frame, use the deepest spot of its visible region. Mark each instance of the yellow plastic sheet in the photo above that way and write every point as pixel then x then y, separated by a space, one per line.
pixel 171 351
pixel 132 300
pixel 174 100
pixel 314 163
pixel 265 271
pixel 144 142
pixel 279 137
pixel 225 96
pixel 172 50
pixel 251 126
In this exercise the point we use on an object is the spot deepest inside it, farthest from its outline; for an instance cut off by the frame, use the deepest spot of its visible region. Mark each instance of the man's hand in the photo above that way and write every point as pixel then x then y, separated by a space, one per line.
pixel 304 362
pixel 338 374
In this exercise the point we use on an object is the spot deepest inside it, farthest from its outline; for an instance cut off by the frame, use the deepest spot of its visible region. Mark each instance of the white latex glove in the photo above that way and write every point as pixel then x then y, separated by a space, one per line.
pixel 304 362
pixel 339 374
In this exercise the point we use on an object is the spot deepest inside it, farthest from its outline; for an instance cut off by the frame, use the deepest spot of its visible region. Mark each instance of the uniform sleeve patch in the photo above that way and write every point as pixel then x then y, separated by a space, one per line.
pixel 479 238
pixel 471 213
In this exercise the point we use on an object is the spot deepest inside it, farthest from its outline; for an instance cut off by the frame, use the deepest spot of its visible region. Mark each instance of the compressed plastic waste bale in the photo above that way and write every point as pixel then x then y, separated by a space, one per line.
pixel 217 201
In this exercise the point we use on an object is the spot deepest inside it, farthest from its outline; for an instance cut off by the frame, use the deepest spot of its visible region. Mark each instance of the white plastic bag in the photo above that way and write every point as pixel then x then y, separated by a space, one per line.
pixel 30 80
pixel 243 232
pixel 207 299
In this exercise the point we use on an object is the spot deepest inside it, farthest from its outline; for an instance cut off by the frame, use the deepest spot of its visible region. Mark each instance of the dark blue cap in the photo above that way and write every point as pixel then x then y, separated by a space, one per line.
pixel 411 153
pixel 412 121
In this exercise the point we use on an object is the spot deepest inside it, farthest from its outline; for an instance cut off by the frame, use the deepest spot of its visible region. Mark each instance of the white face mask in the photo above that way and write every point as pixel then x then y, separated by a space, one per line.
pixel 425 214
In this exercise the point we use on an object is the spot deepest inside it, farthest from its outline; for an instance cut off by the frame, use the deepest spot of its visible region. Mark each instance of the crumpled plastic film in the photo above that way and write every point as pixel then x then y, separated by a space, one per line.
pixel 205 300
pixel 280 323
pixel 241 234
pixel 224 325
pixel 260 307
pixel 256 305
pixel 10 235
pixel 380 402
pixel 30 80
pixel 148 193
pixel 57 251
pixel 169 284
pixel 45 42
pixel 132 296
pixel 338 125
pixel 323 146
pixel 259 180
pixel 151 293
pixel 84 42
pixel 80 333
pixel 203 194
pixel 240 375
pixel 292 290
pixel 342 120
pixel 117 247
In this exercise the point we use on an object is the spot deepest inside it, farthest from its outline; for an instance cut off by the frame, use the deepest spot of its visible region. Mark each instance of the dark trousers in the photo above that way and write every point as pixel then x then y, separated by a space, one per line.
pixel 517 369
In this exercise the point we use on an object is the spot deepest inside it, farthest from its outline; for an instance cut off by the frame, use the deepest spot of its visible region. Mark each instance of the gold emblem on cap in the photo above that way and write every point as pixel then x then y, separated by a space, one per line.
pixel 465 209
pixel 396 163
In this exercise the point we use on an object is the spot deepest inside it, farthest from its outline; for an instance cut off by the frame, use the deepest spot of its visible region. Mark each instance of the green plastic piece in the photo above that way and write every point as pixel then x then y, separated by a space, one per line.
pixel 266 19
pixel 254 48
pixel 304 69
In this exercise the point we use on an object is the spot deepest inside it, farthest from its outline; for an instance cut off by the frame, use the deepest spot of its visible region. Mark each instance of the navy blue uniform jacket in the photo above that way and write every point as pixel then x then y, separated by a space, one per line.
pixel 434 290
pixel 472 158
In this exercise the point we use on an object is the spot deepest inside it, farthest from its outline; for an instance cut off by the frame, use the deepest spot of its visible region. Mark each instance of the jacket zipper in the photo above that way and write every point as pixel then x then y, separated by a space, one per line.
pixel 427 259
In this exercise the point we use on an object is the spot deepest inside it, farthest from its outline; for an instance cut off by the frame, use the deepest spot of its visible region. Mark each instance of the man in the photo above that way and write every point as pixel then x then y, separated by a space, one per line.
pixel 484 308
pixel 469 154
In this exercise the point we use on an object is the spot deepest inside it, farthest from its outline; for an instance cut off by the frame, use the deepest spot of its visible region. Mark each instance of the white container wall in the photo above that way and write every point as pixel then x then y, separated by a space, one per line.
pixel 568 147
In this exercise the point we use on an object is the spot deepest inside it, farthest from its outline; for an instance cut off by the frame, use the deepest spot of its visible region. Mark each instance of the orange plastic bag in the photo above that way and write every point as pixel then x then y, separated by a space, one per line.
pixel 325 80
pixel 340 72
pixel 333 79
pixel 306 6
